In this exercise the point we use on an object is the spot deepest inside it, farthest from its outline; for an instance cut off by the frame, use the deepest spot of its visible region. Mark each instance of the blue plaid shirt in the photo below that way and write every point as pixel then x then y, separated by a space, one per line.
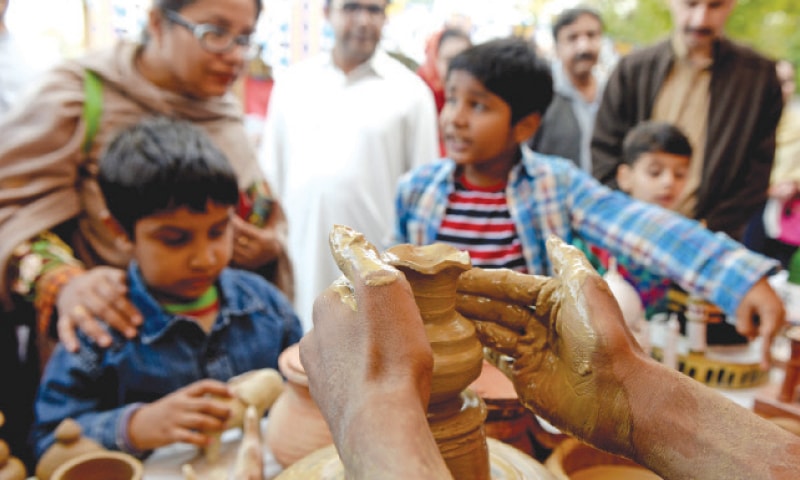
pixel 99 387
pixel 550 196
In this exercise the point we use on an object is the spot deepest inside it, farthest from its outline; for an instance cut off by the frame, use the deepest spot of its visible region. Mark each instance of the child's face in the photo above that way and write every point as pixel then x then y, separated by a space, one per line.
pixel 476 123
pixel 655 177
pixel 181 253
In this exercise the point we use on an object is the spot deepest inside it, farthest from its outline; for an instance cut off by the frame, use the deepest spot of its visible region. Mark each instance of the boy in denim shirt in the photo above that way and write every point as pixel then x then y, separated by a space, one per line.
pixel 172 194
pixel 500 202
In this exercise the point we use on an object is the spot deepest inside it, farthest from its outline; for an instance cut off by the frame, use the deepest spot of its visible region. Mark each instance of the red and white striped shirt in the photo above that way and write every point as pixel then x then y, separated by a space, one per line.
pixel 477 220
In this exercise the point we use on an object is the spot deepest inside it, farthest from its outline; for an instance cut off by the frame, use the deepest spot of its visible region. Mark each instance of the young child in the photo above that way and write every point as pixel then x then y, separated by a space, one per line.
pixel 656 157
pixel 500 201
pixel 171 193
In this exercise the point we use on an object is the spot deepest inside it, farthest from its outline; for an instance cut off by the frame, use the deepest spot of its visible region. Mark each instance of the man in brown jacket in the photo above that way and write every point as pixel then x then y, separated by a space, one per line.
pixel 724 96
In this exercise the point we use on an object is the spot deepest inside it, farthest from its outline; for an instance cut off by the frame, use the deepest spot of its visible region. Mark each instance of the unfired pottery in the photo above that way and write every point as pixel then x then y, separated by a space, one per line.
pixel 507 463
pixel 11 468
pixel 455 413
pixel 573 459
pixel 69 444
pixel 296 426
pixel 100 465
pixel 259 388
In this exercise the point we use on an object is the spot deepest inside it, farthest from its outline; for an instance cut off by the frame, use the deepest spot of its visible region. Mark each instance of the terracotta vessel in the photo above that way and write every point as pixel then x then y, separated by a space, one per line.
pixel 573 460
pixel 69 445
pixel 295 427
pixel 455 414
pixel 100 465
pixel 11 468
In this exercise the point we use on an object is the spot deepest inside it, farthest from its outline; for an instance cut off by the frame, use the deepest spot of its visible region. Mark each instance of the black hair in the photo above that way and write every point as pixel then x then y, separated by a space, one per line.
pixel 177 5
pixel 571 15
pixel 653 136
pixel 511 69
pixel 159 165
pixel 452 33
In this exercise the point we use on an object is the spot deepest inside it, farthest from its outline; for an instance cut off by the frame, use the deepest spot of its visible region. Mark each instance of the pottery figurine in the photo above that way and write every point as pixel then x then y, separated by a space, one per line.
pixel 257 388
pixel 296 427
pixel 249 460
pixel 69 444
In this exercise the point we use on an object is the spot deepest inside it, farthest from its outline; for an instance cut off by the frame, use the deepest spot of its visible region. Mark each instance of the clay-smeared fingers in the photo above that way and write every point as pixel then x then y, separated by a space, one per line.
pixel 501 284
pixel 358 259
pixel 508 315
pixel 497 337
pixel 567 259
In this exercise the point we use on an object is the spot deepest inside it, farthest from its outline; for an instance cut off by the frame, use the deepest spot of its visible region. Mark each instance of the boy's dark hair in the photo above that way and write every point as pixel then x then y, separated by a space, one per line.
pixel 160 164
pixel 571 15
pixel 510 69
pixel 452 33
pixel 650 137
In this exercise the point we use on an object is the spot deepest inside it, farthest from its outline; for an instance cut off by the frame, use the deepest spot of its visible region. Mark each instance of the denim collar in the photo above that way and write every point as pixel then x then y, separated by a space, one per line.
pixel 237 300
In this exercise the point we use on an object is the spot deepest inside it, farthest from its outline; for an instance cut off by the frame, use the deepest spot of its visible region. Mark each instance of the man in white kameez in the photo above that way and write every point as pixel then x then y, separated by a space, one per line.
pixel 342 128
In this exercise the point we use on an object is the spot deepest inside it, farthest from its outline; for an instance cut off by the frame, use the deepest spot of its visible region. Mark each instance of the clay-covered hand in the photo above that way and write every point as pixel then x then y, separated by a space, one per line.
pixel 569 342
pixel 98 295
pixel 381 344
pixel 761 301
pixel 369 365
pixel 253 246
pixel 188 415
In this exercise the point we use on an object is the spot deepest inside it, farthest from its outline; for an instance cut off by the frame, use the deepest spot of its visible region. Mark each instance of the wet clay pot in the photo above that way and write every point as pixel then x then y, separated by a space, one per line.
pixel 69 444
pixel 100 465
pixel 295 427
pixel 455 413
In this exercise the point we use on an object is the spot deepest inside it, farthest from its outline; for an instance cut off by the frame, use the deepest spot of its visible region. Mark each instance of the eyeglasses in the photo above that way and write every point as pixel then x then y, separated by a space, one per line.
pixel 212 38
pixel 372 10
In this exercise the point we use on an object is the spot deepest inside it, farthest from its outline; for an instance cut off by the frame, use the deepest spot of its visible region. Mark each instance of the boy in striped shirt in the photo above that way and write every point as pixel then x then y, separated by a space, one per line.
pixel 495 96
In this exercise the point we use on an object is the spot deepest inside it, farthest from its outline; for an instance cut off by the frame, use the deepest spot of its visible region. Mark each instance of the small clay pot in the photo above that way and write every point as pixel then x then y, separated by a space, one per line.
pixel 296 426
pixel 69 444
pixel 100 465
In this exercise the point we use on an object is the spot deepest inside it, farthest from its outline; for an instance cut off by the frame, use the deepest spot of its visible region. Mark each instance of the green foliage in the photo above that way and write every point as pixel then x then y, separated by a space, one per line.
pixel 770 26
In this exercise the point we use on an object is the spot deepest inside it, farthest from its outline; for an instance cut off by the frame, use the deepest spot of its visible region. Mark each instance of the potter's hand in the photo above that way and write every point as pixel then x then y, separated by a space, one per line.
pixel 571 346
pixel 762 301
pixel 254 246
pixel 99 295
pixel 187 415
pixel 369 367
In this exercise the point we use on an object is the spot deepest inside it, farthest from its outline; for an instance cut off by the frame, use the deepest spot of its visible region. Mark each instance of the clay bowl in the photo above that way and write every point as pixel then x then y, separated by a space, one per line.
pixel 100 465
pixel 573 460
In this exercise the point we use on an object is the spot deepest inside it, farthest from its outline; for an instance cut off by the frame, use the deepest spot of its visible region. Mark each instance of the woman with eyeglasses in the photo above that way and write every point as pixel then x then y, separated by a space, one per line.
pixel 57 257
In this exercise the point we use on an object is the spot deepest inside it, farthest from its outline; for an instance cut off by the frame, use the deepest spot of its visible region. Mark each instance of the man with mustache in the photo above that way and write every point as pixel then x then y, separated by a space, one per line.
pixel 566 128
pixel 341 130
pixel 723 95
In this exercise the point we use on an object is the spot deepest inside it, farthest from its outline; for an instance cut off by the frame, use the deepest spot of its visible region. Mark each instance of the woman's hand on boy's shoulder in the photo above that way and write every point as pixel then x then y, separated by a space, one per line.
pixel 98 295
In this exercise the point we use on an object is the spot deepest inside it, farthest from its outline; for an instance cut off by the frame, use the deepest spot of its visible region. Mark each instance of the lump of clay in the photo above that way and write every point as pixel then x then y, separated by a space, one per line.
pixel 69 444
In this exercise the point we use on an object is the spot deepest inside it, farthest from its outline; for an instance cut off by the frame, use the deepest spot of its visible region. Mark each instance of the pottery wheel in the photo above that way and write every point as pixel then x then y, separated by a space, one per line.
pixel 507 463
